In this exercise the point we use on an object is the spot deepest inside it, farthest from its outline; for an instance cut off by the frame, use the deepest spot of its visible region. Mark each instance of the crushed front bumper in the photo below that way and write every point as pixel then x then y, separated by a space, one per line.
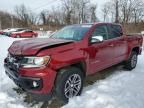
pixel 26 83
pixel 36 81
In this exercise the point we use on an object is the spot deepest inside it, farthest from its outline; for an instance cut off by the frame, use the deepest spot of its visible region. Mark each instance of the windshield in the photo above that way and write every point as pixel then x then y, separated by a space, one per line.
pixel 74 32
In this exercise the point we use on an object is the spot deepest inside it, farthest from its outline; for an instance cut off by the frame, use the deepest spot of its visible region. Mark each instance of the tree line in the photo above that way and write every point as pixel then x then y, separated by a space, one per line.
pixel 124 11
pixel 75 12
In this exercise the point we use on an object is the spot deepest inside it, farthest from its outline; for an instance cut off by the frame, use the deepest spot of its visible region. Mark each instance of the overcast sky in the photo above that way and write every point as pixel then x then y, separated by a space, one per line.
pixel 36 5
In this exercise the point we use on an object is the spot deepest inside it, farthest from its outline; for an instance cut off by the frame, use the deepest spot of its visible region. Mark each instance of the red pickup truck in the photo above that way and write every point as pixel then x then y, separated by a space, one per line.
pixel 59 64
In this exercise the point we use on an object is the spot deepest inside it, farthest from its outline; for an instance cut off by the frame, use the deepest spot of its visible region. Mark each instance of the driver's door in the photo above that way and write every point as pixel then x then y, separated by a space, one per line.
pixel 101 54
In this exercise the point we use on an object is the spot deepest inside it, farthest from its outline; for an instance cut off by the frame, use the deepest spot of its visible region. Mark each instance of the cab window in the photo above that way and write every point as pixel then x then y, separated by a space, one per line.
pixel 114 31
pixel 101 31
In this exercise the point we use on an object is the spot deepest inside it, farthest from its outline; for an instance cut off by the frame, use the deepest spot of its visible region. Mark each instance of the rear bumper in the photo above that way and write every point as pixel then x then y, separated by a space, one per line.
pixel 38 81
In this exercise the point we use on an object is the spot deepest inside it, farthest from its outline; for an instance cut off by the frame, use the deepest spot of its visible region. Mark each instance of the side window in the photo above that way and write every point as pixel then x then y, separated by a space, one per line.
pixel 101 31
pixel 114 31
pixel 29 31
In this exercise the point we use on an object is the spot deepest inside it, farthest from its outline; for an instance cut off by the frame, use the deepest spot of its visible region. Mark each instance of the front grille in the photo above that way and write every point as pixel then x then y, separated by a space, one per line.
pixel 16 59
pixel 13 62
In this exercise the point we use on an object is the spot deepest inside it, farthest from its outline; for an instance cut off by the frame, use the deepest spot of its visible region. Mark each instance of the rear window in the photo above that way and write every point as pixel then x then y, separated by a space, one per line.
pixel 115 31
pixel 20 29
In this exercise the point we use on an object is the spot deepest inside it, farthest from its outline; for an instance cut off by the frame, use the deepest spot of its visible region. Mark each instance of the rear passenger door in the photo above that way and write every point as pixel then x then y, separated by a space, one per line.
pixel 119 42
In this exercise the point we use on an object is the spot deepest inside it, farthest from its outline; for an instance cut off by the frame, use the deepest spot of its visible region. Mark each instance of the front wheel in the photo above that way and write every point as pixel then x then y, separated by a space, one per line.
pixel 132 61
pixel 69 83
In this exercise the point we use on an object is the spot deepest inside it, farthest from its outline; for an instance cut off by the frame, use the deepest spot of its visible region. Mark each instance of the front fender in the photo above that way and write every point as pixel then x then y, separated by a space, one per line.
pixel 65 59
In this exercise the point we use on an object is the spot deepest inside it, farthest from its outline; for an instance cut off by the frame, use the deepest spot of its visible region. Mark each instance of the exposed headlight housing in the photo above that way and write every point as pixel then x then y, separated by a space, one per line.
pixel 29 62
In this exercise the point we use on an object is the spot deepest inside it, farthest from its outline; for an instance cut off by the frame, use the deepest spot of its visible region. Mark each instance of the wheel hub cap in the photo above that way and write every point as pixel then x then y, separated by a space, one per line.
pixel 134 61
pixel 72 86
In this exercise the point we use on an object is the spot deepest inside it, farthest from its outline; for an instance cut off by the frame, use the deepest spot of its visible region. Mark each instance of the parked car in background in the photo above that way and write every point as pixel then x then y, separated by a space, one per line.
pixel 1 32
pixel 24 34
pixel 8 31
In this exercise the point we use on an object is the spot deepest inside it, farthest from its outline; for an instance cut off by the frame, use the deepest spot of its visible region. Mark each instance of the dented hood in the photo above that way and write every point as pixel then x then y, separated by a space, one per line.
pixel 33 46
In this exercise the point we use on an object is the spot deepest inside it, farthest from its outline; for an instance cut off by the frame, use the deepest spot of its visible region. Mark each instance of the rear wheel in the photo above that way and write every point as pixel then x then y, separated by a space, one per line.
pixel 132 61
pixel 69 83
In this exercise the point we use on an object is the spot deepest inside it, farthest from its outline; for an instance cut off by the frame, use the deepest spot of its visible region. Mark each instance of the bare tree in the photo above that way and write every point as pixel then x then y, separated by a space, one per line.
pixel 32 18
pixel 106 9
pixel 5 20
pixel 83 8
pixel 93 13
pixel 67 6
pixel 130 8
pixel 22 14
pixel 25 15
pixel 43 17
pixel 117 11
pixel 124 11
pixel 75 10
pixel 138 12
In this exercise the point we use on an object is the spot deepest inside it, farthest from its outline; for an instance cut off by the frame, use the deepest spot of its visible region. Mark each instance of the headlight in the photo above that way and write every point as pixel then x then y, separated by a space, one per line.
pixel 29 62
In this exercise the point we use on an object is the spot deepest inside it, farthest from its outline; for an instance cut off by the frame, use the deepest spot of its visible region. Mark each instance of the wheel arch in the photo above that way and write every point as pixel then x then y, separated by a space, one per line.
pixel 81 65
pixel 135 49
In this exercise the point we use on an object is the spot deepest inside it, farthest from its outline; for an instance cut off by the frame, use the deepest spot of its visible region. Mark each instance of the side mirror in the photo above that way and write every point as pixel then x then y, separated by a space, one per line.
pixel 96 39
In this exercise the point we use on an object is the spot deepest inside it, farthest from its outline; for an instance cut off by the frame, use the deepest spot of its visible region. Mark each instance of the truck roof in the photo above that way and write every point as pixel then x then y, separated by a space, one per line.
pixel 97 23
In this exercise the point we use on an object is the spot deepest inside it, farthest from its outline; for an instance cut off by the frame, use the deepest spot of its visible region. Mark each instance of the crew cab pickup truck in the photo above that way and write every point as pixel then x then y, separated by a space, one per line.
pixel 57 66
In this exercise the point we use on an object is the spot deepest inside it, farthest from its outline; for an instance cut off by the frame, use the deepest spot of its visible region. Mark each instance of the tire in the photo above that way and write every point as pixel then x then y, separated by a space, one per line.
pixel 69 83
pixel 132 61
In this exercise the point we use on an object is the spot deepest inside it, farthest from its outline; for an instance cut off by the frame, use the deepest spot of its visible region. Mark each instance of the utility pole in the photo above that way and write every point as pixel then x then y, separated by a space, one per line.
pixel 82 14
pixel 117 12
pixel 0 24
